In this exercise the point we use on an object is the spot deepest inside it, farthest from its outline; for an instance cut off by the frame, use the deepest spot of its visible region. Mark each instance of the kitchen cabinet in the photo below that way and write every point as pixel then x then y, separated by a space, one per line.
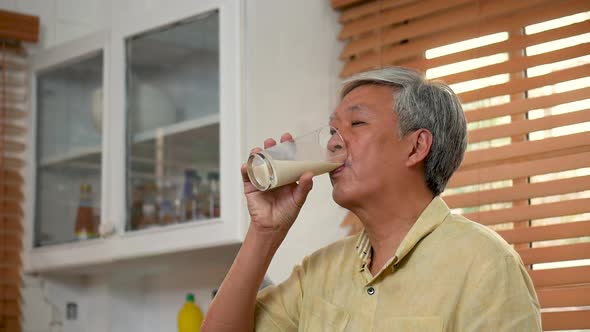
pixel 136 139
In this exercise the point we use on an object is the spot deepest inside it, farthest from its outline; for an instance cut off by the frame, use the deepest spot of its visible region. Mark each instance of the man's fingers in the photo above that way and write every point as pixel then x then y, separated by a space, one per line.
pixel 286 137
pixel 244 170
pixel 248 186
pixel 303 188
pixel 269 142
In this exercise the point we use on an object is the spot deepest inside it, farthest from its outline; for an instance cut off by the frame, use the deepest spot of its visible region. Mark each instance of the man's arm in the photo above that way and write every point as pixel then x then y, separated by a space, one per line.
pixel 272 213
pixel 234 303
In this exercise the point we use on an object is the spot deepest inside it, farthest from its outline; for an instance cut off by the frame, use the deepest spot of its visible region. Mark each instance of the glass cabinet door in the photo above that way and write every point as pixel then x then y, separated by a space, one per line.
pixel 69 106
pixel 172 101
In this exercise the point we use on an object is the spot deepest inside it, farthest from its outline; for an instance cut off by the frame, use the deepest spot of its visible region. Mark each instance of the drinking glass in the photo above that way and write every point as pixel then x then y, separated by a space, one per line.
pixel 319 151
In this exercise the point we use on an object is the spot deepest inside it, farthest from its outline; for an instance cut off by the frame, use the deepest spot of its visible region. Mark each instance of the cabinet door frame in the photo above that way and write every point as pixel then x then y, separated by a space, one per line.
pixel 72 253
pixel 194 235
pixel 115 244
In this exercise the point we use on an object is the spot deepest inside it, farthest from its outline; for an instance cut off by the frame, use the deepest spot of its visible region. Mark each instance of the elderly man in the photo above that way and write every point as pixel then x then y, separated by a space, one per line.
pixel 416 266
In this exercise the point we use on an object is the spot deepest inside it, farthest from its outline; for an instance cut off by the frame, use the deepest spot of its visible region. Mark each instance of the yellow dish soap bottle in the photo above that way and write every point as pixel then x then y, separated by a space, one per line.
pixel 190 316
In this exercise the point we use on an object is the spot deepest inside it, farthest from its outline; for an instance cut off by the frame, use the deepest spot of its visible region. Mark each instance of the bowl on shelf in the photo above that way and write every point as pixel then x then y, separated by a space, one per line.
pixel 151 108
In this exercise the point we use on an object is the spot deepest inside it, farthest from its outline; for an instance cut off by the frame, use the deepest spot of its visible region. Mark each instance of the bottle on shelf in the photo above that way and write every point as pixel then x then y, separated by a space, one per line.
pixel 203 197
pixel 85 227
pixel 197 208
pixel 186 196
pixel 149 208
pixel 166 204
pixel 190 316
pixel 214 203
pixel 137 205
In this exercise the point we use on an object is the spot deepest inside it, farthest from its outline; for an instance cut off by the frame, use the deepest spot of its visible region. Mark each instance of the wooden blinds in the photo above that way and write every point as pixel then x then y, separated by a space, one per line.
pixel 522 72
pixel 13 104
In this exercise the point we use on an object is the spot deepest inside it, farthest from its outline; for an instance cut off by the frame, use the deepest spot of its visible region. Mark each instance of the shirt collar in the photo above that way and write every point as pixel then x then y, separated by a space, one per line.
pixel 434 214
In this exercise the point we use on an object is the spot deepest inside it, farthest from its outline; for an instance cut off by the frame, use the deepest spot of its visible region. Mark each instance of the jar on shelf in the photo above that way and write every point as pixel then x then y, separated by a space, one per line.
pixel 85 227
pixel 149 207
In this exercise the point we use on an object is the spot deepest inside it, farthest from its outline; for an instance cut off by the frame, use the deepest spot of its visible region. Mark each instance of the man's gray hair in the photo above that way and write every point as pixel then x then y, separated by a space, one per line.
pixel 423 104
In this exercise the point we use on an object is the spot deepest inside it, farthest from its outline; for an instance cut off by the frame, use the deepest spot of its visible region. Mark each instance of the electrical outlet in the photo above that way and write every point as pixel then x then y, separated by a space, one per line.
pixel 71 311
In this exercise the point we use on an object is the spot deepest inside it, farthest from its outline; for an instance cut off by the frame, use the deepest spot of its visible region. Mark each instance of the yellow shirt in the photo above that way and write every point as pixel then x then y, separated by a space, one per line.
pixel 448 274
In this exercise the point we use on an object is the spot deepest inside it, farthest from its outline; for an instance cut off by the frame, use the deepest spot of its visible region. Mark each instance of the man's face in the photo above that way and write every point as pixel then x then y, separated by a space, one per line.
pixel 376 156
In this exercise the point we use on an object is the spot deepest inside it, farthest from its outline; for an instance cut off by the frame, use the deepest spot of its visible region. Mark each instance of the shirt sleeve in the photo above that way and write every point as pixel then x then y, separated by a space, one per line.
pixel 502 298
pixel 278 307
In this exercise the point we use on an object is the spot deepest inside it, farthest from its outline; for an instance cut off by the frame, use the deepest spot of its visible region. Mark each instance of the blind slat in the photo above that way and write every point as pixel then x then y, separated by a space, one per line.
pixel 519 192
pixel 517 20
pixel 11 163
pixel 528 126
pixel 524 105
pixel 9 292
pixel 10 129
pixel 12 97
pixel 566 320
pixel 7 109
pixel 529 150
pixel 519 170
pixel 20 27
pixel 514 43
pixel 10 209
pixel 11 193
pixel 10 176
pixel 546 233
pixel 564 297
pixel 11 223
pixel 12 82
pixel 11 258
pixel 519 63
pixel 396 16
pixel 18 115
pixel 561 276
pixel 9 275
pixel 566 252
pixel 524 84
pixel 11 146
pixel 12 64
pixel 11 308
pixel 10 240
pixel 336 4
pixel 370 9
pixel 528 212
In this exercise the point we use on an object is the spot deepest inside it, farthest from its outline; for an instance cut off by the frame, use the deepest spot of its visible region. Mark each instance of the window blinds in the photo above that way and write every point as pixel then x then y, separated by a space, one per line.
pixel 522 72
pixel 11 182
pixel 14 28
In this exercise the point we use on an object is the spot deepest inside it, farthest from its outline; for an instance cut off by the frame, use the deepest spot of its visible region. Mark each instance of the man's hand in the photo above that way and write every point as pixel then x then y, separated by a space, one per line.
pixel 272 213
pixel 275 210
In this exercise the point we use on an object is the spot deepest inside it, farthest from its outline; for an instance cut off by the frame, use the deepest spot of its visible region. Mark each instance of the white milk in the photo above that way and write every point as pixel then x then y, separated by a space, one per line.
pixel 289 171
pixel 262 176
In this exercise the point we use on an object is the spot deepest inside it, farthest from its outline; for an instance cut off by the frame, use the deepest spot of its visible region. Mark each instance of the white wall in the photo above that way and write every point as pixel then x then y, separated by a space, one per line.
pixel 290 84
pixel 63 20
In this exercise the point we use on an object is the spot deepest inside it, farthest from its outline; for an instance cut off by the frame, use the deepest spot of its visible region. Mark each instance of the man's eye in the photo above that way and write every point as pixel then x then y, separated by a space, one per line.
pixel 332 132
pixel 357 123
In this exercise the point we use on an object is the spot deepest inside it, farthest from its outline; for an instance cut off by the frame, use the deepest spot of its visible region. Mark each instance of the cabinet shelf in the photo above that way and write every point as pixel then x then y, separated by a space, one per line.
pixel 79 154
pixel 93 152
pixel 176 128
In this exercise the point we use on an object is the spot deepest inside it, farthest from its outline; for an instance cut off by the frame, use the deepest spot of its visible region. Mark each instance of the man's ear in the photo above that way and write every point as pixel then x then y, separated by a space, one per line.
pixel 421 141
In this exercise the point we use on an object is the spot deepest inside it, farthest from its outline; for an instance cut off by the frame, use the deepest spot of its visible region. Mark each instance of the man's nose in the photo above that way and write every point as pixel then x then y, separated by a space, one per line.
pixel 336 144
